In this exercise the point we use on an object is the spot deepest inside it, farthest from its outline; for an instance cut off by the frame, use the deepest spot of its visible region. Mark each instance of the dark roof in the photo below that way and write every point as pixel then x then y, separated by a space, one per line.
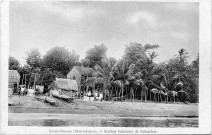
pixel 84 70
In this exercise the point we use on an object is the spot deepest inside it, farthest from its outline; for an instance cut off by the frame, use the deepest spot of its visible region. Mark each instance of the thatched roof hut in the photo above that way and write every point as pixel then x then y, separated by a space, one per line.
pixel 64 84
pixel 14 78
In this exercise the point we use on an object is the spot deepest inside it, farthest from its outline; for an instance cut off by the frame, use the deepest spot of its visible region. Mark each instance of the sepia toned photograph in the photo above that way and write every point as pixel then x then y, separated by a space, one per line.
pixel 103 64
pixel 105 67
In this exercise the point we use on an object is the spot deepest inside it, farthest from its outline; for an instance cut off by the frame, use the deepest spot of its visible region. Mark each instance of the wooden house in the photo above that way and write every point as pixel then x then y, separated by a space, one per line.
pixel 80 74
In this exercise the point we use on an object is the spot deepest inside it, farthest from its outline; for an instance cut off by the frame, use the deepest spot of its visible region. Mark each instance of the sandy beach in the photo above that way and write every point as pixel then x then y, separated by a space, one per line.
pixel 27 104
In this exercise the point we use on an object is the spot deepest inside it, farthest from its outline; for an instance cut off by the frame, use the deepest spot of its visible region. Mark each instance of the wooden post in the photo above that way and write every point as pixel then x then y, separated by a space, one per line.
pixel 17 89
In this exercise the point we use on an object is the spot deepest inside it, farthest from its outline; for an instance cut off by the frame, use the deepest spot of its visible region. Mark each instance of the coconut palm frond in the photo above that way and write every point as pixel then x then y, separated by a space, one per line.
pixel 148 46
pixel 154 77
pixel 138 75
pixel 118 83
pixel 98 74
pixel 130 69
pixel 100 80
pixel 98 69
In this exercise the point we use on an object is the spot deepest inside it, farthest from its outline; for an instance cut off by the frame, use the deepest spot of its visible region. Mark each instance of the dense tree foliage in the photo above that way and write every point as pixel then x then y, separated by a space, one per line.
pixel 136 70
pixel 60 59
pixel 135 52
pixel 34 59
pixel 96 55
pixel 178 70
pixel 13 63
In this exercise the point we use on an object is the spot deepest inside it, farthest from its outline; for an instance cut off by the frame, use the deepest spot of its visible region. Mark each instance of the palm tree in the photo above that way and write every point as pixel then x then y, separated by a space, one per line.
pixel 123 72
pixel 104 73
pixel 149 72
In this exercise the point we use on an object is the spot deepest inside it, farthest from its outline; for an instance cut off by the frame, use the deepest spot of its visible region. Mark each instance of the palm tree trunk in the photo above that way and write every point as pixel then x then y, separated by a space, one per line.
pixel 145 96
pixel 130 94
pixel 111 95
pixel 150 95
pixel 116 91
pixel 134 94
pixel 122 92
pixel 158 96
pixel 174 98
pixel 155 97
pixel 167 98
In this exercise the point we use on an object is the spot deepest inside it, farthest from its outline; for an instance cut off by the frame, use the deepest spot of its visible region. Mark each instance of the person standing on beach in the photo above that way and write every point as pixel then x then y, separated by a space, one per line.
pixel 100 96
pixel 89 94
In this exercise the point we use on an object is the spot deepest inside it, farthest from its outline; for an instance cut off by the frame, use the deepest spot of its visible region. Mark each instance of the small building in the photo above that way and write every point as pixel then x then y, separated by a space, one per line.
pixel 14 79
pixel 80 74
pixel 66 87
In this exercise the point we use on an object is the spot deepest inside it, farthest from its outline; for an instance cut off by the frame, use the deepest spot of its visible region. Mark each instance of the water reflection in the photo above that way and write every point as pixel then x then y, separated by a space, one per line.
pixel 54 122
pixel 119 122
pixel 149 123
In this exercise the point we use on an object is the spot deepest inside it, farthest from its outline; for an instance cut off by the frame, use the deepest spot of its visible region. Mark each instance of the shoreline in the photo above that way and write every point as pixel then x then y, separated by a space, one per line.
pixel 26 104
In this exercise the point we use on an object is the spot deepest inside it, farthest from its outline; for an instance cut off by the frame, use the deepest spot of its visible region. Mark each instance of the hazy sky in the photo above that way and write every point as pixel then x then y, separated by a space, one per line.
pixel 81 25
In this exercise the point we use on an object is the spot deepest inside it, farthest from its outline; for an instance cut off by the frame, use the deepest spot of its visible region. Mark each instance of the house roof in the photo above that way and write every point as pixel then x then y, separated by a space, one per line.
pixel 14 75
pixel 84 70
pixel 66 84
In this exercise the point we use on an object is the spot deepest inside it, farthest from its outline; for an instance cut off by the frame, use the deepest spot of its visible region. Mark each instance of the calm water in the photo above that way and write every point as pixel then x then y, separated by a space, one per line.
pixel 98 121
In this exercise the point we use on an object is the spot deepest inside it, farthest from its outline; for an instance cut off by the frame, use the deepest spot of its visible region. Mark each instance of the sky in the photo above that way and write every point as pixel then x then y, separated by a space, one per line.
pixel 82 25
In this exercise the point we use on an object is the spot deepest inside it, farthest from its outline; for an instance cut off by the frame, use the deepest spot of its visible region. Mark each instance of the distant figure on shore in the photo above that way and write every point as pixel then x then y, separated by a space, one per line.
pixel 22 90
pixel 89 94
pixel 100 96
pixel 96 95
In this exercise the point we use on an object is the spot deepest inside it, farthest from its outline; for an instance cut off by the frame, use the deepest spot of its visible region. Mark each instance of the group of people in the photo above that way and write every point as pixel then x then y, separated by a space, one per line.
pixel 97 95
pixel 20 90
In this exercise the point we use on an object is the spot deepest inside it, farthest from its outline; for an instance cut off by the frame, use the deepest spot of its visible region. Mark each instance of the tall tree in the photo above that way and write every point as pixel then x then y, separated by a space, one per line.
pixel 13 63
pixel 34 59
pixel 135 51
pixel 105 73
pixel 85 62
pixel 96 55
pixel 178 70
pixel 60 59
pixel 124 72
pixel 195 65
